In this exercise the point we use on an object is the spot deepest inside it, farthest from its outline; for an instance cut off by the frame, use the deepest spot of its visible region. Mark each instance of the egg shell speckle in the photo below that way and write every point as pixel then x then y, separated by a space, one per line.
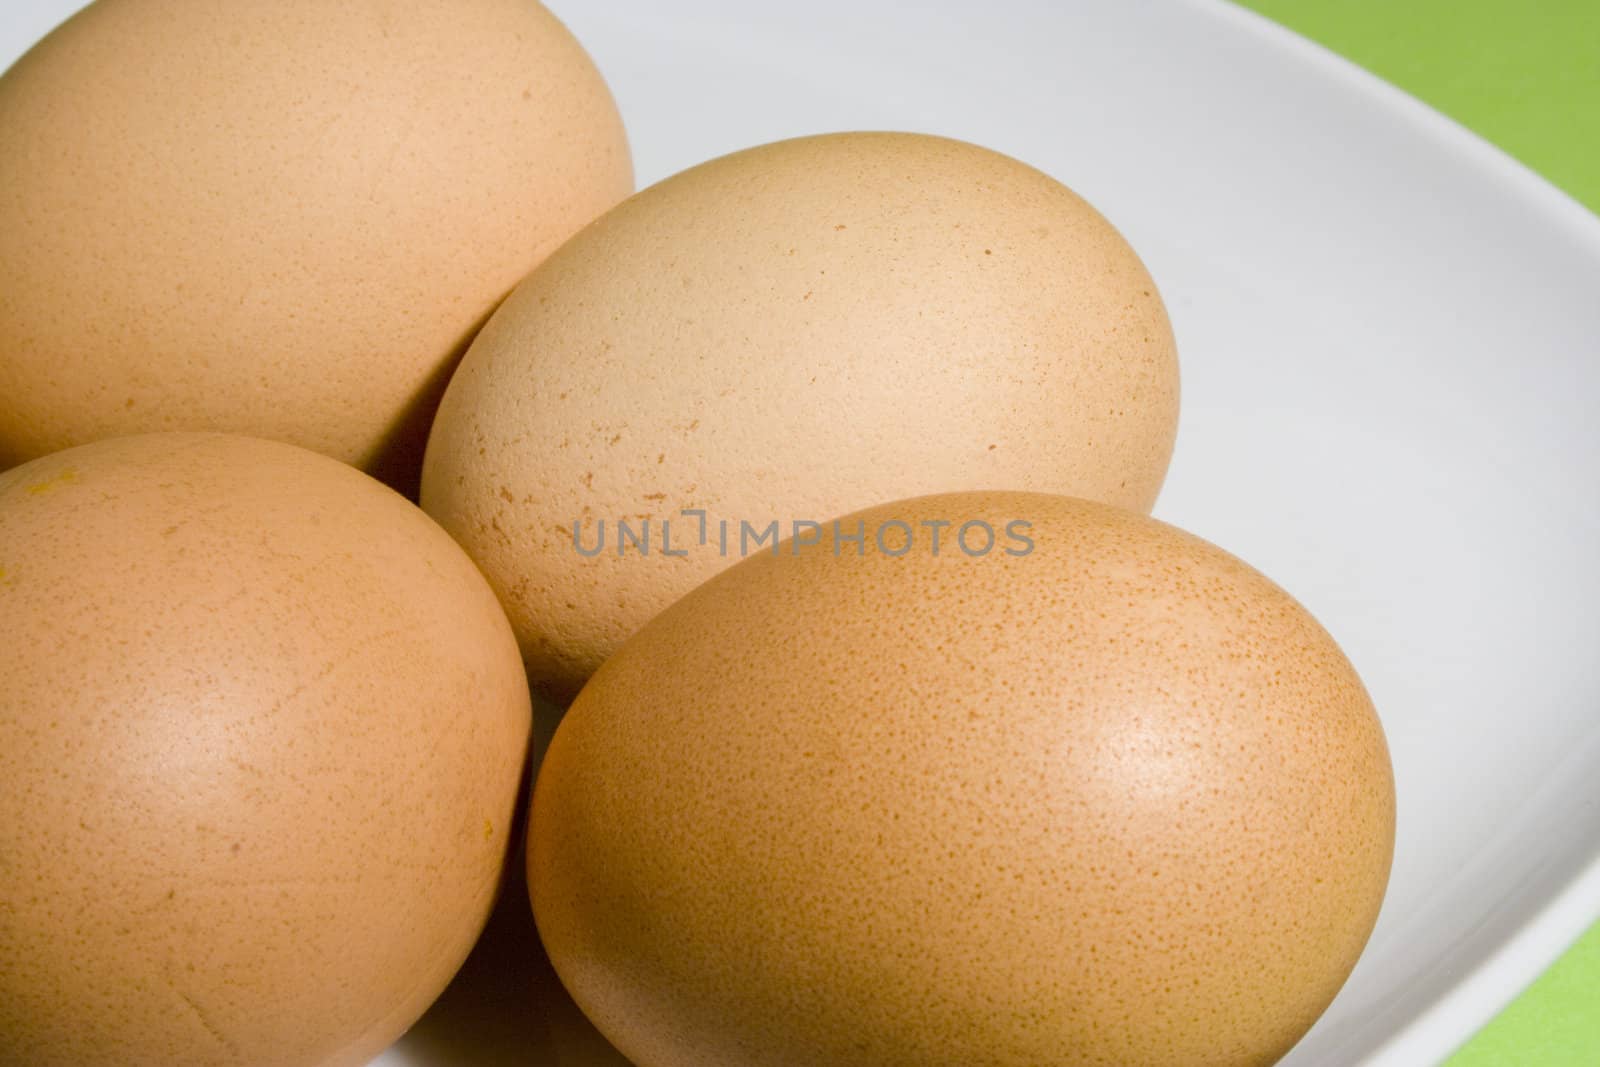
pixel 262 727
pixel 1116 801
pixel 282 219
pixel 791 332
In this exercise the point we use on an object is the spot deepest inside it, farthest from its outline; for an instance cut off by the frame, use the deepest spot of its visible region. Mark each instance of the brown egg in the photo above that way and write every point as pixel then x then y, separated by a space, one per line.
pixel 788 333
pixel 261 731
pixel 1101 794
pixel 282 219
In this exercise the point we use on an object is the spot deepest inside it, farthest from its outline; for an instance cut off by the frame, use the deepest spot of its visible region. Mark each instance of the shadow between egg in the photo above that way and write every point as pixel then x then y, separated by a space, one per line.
pixel 506 1007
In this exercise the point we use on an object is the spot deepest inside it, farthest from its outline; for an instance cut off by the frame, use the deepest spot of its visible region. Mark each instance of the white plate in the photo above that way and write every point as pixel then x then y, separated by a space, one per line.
pixel 1390 337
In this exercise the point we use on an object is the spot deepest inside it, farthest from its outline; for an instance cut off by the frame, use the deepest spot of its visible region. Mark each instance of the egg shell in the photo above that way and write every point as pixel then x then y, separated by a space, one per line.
pixel 282 219
pixel 1114 799
pixel 262 727
pixel 791 332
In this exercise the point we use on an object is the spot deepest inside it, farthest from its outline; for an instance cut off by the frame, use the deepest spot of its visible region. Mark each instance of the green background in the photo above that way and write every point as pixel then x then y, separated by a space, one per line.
pixel 1527 77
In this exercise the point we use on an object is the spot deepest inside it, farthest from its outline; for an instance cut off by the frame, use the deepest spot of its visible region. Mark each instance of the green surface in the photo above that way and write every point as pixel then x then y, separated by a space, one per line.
pixel 1523 75
pixel 1554 1024
pixel 1527 77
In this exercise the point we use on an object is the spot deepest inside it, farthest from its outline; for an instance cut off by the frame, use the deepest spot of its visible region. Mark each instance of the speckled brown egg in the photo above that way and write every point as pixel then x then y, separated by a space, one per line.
pixel 262 727
pixel 791 332
pixel 285 219
pixel 1080 789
